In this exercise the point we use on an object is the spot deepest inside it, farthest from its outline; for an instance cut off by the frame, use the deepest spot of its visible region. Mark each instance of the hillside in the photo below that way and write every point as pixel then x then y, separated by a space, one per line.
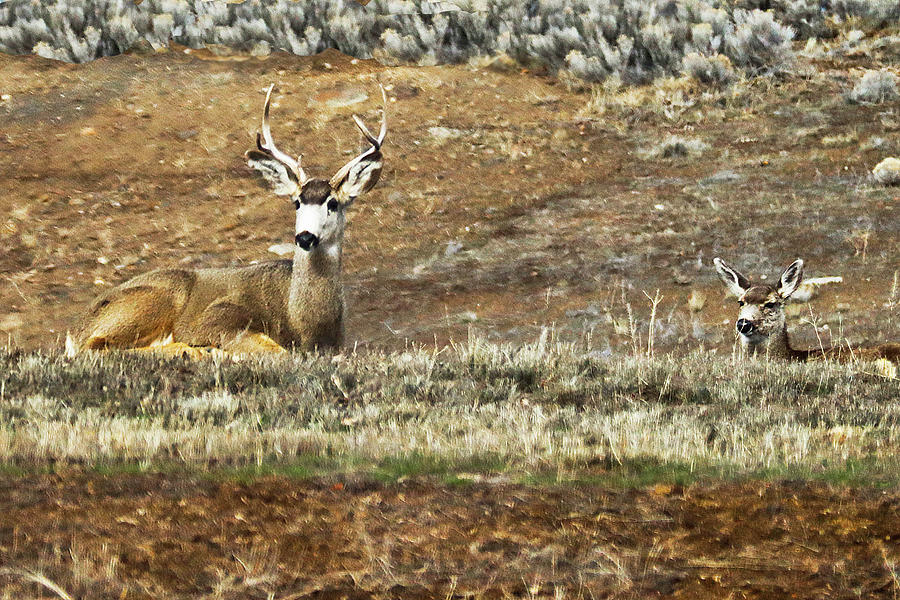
pixel 508 203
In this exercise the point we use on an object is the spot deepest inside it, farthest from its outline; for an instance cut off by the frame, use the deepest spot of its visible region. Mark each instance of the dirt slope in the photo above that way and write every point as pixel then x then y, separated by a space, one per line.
pixel 525 210
pixel 528 208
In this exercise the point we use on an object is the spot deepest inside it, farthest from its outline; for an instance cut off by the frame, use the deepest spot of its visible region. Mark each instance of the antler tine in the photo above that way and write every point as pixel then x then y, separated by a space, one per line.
pixel 383 131
pixel 365 130
pixel 270 147
pixel 375 141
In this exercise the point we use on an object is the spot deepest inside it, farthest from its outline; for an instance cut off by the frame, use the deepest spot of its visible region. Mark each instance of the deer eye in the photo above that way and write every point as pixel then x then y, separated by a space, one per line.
pixel 332 205
pixel 770 305
pixel 741 303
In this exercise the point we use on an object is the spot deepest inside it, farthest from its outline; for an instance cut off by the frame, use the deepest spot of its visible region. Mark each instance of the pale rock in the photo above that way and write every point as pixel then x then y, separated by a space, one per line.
pixel 887 172
pixel 442 134
pixel 810 287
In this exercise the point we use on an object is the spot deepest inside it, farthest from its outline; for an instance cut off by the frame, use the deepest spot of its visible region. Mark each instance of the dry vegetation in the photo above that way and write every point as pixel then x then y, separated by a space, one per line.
pixel 586 39
pixel 153 537
pixel 541 409
pixel 528 206
pixel 476 471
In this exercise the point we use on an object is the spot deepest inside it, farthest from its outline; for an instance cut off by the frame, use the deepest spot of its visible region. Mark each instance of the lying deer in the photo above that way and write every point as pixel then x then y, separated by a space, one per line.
pixel 269 306
pixel 761 321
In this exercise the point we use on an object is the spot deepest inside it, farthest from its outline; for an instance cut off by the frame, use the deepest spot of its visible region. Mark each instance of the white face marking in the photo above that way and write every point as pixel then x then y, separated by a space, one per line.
pixel 311 218
pixel 766 320
pixel 750 312
pixel 326 225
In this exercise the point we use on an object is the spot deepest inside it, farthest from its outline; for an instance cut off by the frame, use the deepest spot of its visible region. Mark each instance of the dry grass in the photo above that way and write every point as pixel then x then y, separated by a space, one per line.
pixel 479 407
pixel 36 578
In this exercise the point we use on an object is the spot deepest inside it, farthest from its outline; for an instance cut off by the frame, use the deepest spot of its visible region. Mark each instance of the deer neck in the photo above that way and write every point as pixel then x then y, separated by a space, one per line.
pixel 777 345
pixel 315 300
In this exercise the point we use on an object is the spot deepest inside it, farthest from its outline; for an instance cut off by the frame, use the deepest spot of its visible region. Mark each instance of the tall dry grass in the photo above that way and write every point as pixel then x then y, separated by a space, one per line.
pixel 539 407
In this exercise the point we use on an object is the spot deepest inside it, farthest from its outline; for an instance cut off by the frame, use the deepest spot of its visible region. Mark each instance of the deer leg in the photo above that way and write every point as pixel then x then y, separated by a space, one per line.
pixel 167 347
pixel 180 349
pixel 254 342
pixel 129 318
pixel 232 327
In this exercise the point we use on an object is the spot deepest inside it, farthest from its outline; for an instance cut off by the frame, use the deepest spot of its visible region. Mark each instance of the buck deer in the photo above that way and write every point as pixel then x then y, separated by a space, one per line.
pixel 269 306
pixel 761 321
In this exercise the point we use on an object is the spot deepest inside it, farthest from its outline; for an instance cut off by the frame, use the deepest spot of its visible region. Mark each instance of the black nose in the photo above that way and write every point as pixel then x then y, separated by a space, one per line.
pixel 307 240
pixel 744 326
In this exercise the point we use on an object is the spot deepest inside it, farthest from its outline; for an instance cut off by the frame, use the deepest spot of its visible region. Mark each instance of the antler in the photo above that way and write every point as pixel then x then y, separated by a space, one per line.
pixel 373 154
pixel 270 148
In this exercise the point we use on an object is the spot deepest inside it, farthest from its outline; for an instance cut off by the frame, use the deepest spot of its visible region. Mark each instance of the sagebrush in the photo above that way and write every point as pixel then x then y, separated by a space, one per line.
pixel 590 39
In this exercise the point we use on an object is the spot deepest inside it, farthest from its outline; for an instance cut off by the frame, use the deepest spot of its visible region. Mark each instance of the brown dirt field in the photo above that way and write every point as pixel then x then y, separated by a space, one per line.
pixel 186 538
pixel 135 162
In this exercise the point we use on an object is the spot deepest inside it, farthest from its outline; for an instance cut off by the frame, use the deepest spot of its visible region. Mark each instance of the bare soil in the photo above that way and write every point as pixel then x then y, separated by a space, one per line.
pixel 535 214
pixel 188 538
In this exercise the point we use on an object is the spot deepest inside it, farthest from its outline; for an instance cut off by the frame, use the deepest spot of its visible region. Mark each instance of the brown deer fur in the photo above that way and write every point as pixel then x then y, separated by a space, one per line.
pixel 264 307
pixel 761 322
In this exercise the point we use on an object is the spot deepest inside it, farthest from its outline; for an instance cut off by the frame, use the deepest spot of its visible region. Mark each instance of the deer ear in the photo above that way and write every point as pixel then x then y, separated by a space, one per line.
pixel 282 179
pixel 358 176
pixel 361 174
pixel 791 278
pixel 736 283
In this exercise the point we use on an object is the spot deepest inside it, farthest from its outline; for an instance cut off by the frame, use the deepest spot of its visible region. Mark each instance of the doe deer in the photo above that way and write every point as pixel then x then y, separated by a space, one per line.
pixel 761 321
pixel 268 306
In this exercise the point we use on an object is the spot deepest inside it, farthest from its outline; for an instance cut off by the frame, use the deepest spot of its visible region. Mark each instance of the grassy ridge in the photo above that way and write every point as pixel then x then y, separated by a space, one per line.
pixel 475 408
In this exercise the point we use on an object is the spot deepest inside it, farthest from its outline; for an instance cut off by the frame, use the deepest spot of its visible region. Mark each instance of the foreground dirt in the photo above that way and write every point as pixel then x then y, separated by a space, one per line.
pixel 163 537
pixel 522 209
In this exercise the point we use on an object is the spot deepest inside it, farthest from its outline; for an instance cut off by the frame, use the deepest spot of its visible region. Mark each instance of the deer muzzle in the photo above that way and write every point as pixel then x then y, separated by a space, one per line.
pixel 307 240
pixel 745 327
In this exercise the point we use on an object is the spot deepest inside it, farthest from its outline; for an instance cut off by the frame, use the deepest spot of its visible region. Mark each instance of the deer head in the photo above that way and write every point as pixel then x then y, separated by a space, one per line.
pixel 762 306
pixel 320 204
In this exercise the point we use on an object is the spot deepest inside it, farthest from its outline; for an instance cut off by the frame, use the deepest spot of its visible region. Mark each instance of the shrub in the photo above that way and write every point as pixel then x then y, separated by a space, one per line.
pixel 588 68
pixel 759 43
pixel 678 147
pixel 636 40
pixel 875 11
pixel 712 70
pixel 875 87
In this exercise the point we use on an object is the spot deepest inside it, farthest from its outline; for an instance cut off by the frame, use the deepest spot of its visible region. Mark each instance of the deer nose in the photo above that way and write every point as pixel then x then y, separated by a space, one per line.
pixel 307 240
pixel 744 326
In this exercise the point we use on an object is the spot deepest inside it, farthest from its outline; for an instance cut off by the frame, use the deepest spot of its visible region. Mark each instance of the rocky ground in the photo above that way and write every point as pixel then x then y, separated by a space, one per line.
pixel 509 202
